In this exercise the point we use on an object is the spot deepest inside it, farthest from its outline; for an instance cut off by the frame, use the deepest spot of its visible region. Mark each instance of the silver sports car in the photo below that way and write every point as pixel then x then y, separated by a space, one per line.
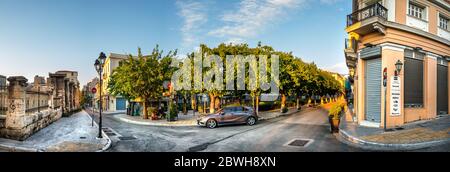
pixel 229 115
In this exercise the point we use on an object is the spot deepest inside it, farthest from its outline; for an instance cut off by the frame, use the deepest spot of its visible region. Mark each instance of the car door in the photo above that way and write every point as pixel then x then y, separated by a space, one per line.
pixel 227 115
pixel 239 115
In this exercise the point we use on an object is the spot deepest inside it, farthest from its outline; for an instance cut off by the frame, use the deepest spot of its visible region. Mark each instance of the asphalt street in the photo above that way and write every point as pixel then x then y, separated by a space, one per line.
pixel 267 136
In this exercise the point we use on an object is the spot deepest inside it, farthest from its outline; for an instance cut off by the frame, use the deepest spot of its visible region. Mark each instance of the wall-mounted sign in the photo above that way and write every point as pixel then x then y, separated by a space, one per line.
pixel 395 96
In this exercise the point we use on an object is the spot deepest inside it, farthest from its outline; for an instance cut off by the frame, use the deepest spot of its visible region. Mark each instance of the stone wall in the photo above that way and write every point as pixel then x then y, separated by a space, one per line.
pixel 22 127
pixel 18 124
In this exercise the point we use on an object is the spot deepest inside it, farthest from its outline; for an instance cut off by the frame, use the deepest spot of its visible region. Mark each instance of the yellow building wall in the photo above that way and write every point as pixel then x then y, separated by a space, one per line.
pixel 360 98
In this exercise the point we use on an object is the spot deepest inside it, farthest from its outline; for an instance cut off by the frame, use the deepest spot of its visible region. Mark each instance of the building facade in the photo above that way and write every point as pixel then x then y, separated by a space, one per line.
pixel 3 95
pixel 111 102
pixel 87 91
pixel 66 90
pixel 409 36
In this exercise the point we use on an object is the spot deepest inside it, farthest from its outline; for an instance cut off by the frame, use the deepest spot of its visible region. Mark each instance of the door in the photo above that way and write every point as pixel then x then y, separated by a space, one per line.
pixel 442 89
pixel 120 104
pixel 373 84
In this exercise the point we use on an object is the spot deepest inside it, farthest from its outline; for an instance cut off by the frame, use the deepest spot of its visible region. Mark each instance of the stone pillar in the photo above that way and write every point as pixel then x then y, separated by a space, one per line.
pixel 66 96
pixel 16 122
pixel 71 96
pixel 60 92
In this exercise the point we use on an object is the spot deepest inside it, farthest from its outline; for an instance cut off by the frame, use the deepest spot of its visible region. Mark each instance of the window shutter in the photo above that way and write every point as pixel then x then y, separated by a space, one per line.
pixel 413 81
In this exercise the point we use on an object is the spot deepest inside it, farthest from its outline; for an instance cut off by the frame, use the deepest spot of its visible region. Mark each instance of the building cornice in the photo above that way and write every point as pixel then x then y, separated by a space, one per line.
pixel 442 4
pixel 417 31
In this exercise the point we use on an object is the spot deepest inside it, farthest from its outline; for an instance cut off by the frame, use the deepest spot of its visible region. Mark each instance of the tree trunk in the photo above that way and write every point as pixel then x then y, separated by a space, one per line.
pixel 184 105
pixel 217 103
pixel 212 99
pixel 145 115
pixel 253 103
pixel 298 102
pixel 257 105
pixel 193 103
pixel 283 101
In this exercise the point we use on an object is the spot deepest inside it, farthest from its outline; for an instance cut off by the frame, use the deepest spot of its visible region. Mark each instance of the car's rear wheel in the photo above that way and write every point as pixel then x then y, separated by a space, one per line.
pixel 251 121
pixel 211 123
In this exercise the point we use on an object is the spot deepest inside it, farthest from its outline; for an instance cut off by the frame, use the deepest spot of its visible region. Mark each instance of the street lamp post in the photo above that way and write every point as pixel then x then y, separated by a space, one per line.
pixel 99 62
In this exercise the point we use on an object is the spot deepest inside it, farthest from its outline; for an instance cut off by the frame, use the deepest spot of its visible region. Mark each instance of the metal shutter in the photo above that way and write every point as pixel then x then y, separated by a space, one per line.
pixel 121 104
pixel 373 79
pixel 413 82
pixel 442 89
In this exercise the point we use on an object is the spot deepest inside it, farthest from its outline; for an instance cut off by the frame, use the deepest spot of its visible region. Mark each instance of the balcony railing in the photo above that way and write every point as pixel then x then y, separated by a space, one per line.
pixel 367 12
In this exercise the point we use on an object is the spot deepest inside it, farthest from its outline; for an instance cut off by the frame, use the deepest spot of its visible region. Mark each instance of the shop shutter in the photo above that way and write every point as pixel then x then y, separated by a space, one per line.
pixel 413 82
pixel 373 84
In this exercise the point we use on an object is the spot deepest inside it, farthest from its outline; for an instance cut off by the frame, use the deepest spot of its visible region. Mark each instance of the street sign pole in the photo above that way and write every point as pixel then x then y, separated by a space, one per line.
pixel 92 124
pixel 94 90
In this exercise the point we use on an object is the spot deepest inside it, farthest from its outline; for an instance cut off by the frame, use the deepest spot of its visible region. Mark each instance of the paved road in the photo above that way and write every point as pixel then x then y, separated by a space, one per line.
pixel 266 136
pixel 269 135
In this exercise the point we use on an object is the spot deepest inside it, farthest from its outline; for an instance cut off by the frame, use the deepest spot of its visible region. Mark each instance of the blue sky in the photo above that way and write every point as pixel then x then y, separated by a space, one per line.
pixel 41 36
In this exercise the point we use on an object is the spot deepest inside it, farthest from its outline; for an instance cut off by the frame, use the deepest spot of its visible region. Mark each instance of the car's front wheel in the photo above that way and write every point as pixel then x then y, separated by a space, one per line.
pixel 211 123
pixel 251 121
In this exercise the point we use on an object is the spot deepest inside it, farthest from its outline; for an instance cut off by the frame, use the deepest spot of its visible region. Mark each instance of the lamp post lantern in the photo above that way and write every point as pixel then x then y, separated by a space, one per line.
pixel 398 67
pixel 99 62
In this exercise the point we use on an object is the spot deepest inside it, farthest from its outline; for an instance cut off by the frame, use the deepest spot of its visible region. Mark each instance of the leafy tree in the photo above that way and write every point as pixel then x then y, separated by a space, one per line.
pixel 142 76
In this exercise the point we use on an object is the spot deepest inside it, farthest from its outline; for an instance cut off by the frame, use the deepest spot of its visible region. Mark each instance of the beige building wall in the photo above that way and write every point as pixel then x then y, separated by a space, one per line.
pixel 389 58
pixel 360 91
pixel 402 39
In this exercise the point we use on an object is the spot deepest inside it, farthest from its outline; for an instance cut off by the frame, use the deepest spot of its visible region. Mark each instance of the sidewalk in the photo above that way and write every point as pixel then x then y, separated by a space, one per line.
pixel 68 134
pixel 409 137
pixel 190 119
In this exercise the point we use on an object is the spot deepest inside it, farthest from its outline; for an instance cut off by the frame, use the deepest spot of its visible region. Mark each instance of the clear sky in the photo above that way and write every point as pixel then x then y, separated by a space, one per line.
pixel 41 36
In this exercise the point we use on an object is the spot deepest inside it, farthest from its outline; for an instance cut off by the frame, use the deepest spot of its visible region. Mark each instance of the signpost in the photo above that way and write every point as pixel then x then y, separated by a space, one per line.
pixel 395 96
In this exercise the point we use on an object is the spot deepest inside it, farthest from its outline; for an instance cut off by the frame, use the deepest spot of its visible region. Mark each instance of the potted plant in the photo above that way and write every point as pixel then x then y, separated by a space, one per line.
pixel 284 110
pixel 334 117
pixel 153 113
pixel 173 113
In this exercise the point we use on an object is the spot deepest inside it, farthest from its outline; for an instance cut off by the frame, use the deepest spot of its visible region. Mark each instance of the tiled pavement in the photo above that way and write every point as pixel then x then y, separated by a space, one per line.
pixel 415 135
pixel 68 134
pixel 411 136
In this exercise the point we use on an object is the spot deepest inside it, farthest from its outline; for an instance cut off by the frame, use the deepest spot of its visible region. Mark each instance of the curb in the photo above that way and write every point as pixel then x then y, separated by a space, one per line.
pixel 153 124
pixel 105 136
pixel 185 125
pixel 348 139
pixel 19 149
pixel 282 114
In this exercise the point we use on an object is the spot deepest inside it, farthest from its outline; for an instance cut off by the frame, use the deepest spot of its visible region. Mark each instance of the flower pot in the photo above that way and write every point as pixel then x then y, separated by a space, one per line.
pixel 154 116
pixel 334 125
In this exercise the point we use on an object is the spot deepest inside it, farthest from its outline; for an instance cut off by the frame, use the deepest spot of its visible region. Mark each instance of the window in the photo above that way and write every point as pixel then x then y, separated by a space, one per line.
pixel 413 78
pixel 443 22
pixel 416 11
